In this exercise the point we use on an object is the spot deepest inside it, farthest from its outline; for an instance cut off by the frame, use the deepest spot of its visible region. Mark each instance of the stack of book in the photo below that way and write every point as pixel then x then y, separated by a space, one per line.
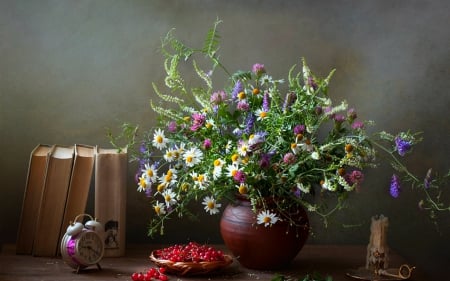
pixel 56 191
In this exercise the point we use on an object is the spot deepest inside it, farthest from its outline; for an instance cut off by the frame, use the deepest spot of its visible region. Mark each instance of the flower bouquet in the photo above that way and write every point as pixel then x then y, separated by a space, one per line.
pixel 258 136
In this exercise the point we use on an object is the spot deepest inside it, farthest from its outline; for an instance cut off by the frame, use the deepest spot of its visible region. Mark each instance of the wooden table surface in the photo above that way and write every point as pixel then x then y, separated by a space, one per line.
pixel 333 260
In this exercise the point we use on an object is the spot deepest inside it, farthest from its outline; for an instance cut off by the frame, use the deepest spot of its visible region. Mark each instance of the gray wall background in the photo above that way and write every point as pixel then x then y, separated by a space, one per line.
pixel 70 69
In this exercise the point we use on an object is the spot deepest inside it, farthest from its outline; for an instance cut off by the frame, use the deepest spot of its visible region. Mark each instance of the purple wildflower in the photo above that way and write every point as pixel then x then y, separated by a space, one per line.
pixel 258 69
pixel 148 192
pixel 172 127
pixel 143 148
pixel 289 100
pixel 351 113
pixel 329 112
pixel 239 176
pixel 356 177
pixel 297 193
pixel 312 83
pixel 265 160
pixel 197 121
pixel 207 144
pixel 357 125
pixel 237 89
pixel 243 105
pixel 250 122
pixel 289 158
pixel 339 118
pixel 218 97
pixel 299 129
pixel 266 102
pixel 395 186
pixel 428 179
pixel 402 146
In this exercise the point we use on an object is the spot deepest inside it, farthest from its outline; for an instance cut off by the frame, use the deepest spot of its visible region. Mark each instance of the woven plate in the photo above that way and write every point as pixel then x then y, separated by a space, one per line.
pixel 191 268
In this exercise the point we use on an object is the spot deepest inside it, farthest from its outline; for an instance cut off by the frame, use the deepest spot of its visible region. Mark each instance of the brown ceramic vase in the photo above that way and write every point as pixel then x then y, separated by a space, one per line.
pixel 259 247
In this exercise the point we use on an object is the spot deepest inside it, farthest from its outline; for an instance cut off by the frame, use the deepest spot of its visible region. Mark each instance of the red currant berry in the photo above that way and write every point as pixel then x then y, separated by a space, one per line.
pixel 135 276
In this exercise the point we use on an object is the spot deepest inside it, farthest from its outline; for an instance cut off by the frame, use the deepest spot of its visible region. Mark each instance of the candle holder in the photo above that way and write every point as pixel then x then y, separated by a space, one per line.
pixel 377 258
pixel 377 249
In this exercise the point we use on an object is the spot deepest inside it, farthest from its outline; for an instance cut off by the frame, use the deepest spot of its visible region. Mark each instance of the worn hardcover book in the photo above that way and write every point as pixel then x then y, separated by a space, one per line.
pixel 110 197
pixel 37 168
pixel 80 183
pixel 54 195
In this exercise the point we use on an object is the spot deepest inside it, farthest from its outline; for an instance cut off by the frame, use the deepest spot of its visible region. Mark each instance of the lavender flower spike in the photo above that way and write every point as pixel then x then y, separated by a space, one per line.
pixel 395 186
pixel 402 146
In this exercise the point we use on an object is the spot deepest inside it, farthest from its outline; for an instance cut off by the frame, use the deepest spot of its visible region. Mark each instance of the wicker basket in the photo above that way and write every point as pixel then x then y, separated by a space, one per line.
pixel 191 268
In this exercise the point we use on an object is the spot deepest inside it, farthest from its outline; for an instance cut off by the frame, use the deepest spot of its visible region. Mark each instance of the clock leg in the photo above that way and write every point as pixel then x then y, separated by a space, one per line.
pixel 98 266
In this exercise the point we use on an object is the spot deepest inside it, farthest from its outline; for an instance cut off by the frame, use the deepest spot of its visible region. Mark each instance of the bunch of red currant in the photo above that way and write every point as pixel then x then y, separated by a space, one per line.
pixel 151 274
pixel 191 252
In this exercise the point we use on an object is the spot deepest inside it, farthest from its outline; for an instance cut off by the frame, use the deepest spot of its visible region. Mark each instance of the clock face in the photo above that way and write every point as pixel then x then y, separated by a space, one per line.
pixel 90 247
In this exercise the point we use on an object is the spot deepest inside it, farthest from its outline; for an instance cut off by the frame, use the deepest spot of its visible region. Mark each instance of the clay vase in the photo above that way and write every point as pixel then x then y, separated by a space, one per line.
pixel 259 247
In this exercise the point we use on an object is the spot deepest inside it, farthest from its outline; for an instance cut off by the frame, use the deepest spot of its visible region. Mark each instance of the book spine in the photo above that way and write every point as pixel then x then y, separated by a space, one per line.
pixel 80 183
pixel 110 198
pixel 53 202
pixel 32 198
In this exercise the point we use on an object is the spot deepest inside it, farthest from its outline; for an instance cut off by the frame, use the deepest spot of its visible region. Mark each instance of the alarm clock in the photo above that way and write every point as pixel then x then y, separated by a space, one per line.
pixel 82 245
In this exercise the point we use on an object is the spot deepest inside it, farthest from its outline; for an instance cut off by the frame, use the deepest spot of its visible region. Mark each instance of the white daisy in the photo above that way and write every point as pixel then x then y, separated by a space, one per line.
pixel 150 173
pixel 159 208
pixel 211 205
pixel 179 150
pixel 159 140
pixel 169 178
pixel 218 164
pixel 267 218
pixel 210 123
pixel 169 197
pixel 200 180
pixel 170 155
pixel 228 147
pixel 143 183
pixel 192 157
pixel 243 148
pixel 232 170
pixel 261 114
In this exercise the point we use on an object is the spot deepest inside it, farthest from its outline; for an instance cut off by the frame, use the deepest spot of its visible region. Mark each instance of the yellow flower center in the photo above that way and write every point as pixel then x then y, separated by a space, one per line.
pixel 235 157
pixel 255 91
pixel 348 148
pixel 263 114
pixel 241 95
pixel 187 118
pixel 293 145
pixel 142 183
pixel 217 162
pixel 243 189
pixel 201 178
pixel 267 219
pixel 189 159
pixel 234 172
pixel 169 172
pixel 159 139
pixel 167 197
pixel 161 187
pixel 299 136
pixel 150 173
pixel 157 209
pixel 168 178
pixel 208 125
pixel 184 186
pixel 210 205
